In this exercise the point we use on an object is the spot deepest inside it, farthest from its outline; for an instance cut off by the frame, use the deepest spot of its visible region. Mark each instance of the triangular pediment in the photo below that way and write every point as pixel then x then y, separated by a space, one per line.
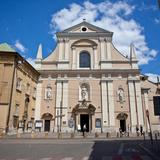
pixel 85 27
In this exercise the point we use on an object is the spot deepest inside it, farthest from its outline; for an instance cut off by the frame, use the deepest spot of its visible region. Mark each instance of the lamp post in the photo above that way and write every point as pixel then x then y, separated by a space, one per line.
pixel 147 114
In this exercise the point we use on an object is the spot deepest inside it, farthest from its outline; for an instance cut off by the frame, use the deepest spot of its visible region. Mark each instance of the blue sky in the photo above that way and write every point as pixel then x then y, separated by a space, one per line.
pixel 25 24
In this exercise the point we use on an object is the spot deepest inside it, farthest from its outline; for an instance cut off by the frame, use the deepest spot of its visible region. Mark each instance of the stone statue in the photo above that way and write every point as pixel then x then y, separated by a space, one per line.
pixel 49 93
pixel 120 95
pixel 84 93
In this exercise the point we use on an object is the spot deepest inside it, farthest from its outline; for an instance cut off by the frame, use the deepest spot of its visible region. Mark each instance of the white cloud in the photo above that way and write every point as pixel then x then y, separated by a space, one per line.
pixel 157 20
pixel 115 17
pixel 153 77
pixel 31 61
pixel 20 46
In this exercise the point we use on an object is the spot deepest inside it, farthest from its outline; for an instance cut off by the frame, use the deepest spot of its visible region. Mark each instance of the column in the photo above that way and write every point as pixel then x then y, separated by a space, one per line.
pixel 65 106
pixel 104 105
pixel 95 57
pixel 61 49
pixel 145 92
pixel 111 103
pixel 132 103
pixel 102 44
pixel 58 103
pixel 66 56
pixel 38 101
pixel 139 103
pixel 108 45
pixel 73 57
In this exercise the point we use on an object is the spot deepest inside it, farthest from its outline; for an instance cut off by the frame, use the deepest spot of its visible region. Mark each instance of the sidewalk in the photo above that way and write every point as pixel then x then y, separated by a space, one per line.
pixel 50 135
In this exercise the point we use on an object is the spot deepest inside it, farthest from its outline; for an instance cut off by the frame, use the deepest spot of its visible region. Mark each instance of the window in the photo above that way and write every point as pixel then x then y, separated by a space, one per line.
pixel 28 88
pixel 19 84
pixel 16 112
pixel 84 60
pixel 34 93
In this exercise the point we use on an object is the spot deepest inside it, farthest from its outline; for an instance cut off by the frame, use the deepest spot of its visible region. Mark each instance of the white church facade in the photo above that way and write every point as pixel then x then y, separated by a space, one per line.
pixel 87 81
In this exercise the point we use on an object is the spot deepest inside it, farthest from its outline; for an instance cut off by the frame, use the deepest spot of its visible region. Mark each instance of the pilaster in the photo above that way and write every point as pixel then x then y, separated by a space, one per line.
pixel 65 106
pixel 132 103
pixel 66 56
pixel 58 104
pixel 139 103
pixel 95 57
pixel 61 49
pixel 73 57
pixel 38 101
pixel 111 103
pixel 104 103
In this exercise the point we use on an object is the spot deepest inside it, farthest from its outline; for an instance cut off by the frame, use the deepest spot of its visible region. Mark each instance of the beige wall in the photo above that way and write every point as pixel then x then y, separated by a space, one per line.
pixel 27 75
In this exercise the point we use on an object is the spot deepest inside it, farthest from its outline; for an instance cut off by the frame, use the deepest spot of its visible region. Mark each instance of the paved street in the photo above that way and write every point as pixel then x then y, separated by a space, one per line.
pixel 79 149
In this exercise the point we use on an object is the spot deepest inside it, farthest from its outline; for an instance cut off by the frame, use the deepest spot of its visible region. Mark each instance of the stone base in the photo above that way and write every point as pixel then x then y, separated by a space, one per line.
pixel 109 129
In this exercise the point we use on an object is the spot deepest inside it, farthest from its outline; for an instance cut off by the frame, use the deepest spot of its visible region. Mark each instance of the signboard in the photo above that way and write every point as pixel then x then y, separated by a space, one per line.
pixel 21 124
pixel 98 123
pixel 71 123
pixel 38 124
pixel 156 101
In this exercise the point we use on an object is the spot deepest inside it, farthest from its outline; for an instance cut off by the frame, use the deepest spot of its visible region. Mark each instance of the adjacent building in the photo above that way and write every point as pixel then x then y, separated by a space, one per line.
pixel 18 85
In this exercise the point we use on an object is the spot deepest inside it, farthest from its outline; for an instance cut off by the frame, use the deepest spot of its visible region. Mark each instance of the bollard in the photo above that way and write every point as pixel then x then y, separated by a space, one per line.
pixel 117 134
pixel 59 135
pixel 33 135
pixel 18 135
pixel 46 135
pixel 144 136
pixel 96 135
pixel 72 135
pixel 107 135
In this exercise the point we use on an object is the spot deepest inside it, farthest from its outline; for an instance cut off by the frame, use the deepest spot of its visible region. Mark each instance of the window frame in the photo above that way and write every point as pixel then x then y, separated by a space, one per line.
pixel 82 64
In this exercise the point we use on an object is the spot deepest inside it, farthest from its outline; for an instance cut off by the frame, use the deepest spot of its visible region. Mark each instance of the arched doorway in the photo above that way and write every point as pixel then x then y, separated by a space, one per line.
pixel 47 121
pixel 122 121
pixel 82 114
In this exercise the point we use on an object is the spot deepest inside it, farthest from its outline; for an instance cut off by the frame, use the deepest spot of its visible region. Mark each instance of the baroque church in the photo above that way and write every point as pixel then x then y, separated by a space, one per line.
pixel 87 81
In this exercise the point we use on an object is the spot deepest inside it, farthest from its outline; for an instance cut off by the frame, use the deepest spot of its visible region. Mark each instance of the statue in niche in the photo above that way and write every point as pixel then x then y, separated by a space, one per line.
pixel 120 95
pixel 84 93
pixel 48 92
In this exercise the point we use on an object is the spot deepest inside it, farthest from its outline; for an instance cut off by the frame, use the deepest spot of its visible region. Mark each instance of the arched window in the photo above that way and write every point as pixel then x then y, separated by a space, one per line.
pixel 84 60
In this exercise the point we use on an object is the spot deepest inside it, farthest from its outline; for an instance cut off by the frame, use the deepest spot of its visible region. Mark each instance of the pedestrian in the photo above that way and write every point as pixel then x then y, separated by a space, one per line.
pixel 78 128
pixel 141 130
pixel 84 129
pixel 120 131
pixel 137 130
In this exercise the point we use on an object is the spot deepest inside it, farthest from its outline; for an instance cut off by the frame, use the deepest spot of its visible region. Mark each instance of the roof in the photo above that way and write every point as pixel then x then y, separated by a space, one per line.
pixel 6 48
pixel 97 31
pixel 84 23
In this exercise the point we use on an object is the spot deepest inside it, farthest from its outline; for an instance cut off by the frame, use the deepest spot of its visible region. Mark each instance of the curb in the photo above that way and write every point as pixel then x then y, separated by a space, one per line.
pixel 149 152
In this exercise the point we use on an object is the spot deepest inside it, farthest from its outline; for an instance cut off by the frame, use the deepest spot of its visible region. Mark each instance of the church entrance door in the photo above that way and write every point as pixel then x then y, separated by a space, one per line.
pixel 47 126
pixel 84 120
pixel 123 125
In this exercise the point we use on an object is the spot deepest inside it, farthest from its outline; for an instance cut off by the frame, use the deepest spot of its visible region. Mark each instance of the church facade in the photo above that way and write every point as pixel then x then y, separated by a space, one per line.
pixel 87 81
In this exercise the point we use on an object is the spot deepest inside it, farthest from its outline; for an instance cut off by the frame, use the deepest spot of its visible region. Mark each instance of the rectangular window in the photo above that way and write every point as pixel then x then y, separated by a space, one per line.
pixel 156 101
pixel 28 88
pixel 16 112
pixel 19 84
pixel 34 92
